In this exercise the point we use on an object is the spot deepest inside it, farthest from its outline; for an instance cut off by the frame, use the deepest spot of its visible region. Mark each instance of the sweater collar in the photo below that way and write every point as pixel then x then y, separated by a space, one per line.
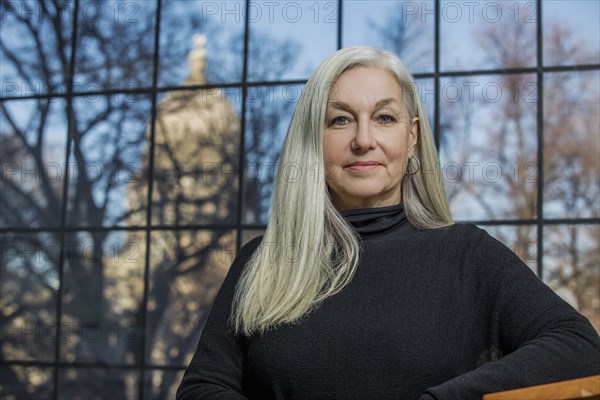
pixel 377 222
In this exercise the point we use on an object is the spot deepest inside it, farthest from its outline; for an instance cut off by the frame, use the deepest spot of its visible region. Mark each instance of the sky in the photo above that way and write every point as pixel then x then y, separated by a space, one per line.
pixel 460 21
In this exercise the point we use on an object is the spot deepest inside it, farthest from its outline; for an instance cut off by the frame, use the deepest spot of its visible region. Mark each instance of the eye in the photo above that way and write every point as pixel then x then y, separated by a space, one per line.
pixel 339 121
pixel 386 119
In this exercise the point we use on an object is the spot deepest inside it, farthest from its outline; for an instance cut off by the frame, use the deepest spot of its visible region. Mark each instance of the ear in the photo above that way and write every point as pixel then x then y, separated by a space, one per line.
pixel 413 136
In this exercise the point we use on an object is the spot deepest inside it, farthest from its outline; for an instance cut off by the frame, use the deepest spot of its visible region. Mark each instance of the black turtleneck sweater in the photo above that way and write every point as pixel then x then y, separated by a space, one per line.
pixel 446 314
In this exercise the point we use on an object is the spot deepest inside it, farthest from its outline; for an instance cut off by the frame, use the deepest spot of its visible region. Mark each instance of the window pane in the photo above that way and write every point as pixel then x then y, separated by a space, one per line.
pixel 572 144
pixel 489 146
pixel 196 157
pixel 521 239
pixel 222 25
pixel 106 171
pixel 404 28
pixel 17 382
pixel 426 90
pixel 95 383
pixel 115 45
pixel 187 270
pixel 288 40
pixel 36 47
pixel 571 32
pixel 32 148
pixel 269 112
pixel 162 384
pixel 248 235
pixel 487 35
pixel 28 291
pixel 103 291
pixel 572 266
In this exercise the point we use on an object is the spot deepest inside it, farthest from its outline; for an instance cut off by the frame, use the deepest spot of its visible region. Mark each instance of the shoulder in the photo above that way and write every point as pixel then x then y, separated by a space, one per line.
pixel 249 248
pixel 466 231
pixel 470 246
pixel 489 259
pixel 466 236
pixel 478 241
pixel 460 245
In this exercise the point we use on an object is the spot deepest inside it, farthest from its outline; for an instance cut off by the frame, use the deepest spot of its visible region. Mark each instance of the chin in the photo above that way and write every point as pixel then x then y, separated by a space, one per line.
pixel 368 193
pixel 375 193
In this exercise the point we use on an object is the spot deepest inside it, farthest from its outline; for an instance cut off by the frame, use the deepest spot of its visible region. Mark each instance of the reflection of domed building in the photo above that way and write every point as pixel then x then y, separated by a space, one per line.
pixel 197 135
pixel 195 155
pixel 195 183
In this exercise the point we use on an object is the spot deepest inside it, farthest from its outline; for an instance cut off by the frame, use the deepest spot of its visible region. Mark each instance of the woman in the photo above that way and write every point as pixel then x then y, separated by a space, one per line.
pixel 362 287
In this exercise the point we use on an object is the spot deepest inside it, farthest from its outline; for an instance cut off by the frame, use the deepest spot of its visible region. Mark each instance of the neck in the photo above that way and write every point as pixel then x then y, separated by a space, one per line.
pixel 378 222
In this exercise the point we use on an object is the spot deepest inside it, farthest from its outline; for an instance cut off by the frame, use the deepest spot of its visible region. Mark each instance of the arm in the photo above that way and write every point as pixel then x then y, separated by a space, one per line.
pixel 216 370
pixel 545 340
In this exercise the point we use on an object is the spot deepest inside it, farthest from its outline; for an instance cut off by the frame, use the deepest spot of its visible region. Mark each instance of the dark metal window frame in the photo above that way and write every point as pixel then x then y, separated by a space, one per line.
pixel 239 226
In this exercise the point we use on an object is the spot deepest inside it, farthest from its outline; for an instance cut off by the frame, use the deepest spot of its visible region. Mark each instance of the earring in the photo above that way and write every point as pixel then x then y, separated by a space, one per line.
pixel 413 165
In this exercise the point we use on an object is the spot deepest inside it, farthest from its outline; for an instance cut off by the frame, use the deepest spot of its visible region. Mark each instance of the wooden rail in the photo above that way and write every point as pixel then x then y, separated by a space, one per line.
pixel 583 388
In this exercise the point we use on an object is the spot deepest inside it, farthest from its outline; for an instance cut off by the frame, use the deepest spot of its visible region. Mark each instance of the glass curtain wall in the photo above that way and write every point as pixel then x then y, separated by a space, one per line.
pixel 139 141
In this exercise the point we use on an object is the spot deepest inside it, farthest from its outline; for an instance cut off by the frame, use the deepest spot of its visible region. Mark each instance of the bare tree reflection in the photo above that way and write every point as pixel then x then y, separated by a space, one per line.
pixel 404 34
pixel 571 150
pixel 195 183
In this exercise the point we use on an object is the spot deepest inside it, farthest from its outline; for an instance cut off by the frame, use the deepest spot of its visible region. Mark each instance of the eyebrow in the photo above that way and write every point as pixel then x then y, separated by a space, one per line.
pixel 384 102
pixel 346 107
pixel 340 105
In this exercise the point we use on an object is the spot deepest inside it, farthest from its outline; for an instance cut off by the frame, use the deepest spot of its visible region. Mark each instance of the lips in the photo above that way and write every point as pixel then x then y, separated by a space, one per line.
pixel 362 165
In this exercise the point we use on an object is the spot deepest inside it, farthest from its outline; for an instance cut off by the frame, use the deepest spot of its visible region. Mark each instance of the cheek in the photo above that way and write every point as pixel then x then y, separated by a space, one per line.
pixel 398 155
pixel 332 150
pixel 333 157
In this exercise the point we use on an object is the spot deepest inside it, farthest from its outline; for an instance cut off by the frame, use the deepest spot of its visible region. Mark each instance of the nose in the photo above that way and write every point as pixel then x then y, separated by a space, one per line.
pixel 363 138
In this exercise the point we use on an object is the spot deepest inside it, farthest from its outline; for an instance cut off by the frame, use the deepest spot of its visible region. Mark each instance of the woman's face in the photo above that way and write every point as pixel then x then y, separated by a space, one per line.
pixel 368 139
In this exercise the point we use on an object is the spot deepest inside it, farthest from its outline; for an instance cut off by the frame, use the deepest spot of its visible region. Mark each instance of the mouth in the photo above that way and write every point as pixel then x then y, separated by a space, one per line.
pixel 362 165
